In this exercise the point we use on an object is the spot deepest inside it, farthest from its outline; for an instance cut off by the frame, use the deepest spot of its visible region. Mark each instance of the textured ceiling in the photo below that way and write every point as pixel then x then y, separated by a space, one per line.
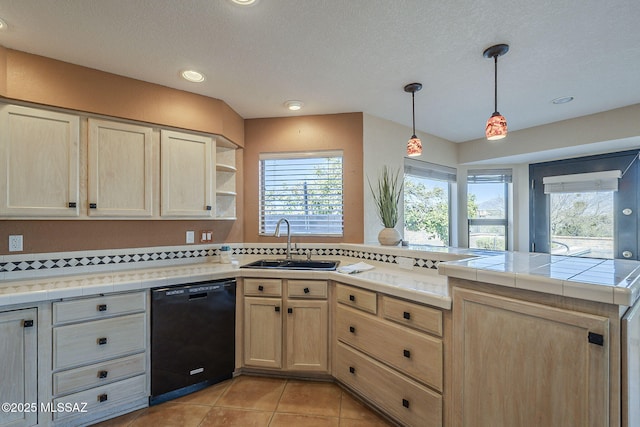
pixel 356 55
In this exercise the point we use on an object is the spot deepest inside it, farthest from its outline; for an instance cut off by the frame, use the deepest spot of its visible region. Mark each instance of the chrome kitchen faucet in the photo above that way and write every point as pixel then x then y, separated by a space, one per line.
pixel 277 234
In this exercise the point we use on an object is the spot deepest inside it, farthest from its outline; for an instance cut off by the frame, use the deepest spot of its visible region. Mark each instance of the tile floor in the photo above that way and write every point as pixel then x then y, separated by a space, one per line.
pixel 257 402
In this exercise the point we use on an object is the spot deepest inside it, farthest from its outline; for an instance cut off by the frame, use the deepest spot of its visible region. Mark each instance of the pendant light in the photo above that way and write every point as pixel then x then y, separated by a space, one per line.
pixel 497 124
pixel 414 145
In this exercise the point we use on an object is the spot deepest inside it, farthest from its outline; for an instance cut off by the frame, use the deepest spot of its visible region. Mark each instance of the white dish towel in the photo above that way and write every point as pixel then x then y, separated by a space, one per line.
pixel 355 268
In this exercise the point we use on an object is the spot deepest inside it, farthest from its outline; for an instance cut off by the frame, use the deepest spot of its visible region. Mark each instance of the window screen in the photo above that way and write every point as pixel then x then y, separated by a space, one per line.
pixel 304 188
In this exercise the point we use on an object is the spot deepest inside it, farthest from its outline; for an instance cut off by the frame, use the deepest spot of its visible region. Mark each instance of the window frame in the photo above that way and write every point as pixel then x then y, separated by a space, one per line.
pixel 505 178
pixel 296 155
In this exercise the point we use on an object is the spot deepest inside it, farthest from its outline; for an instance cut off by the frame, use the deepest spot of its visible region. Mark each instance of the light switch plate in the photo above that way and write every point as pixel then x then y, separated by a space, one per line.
pixel 15 243
pixel 190 237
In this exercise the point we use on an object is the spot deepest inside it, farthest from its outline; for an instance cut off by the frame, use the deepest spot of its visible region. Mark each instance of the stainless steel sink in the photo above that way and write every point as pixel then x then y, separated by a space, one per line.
pixel 293 264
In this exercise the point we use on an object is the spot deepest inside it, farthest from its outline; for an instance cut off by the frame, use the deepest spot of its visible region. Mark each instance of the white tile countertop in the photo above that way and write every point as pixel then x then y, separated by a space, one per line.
pixel 610 281
pixel 417 285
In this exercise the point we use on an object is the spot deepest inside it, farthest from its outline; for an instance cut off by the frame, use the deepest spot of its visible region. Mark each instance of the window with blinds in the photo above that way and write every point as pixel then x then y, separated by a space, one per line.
pixel 488 208
pixel 306 189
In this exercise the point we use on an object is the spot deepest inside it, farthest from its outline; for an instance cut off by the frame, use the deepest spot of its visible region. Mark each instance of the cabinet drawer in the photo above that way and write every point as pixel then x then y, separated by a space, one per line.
pixel 101 373
pixel 358 298
pixel 415 354
pixel 263 287
pixel 103 397
pixel 90 342
pixel 98 307
pixel 307 289
pixel 414 315
pixel 405 400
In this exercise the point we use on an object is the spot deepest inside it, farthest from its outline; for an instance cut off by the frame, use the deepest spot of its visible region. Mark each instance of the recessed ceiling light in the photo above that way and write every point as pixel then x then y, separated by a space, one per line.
pixel 192 76
pixel 245 2
pixel 562 100
pixel 294 105
pixel 3 25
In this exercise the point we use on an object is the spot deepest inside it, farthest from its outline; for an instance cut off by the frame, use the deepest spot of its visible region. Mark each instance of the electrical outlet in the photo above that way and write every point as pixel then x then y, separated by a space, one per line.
pixel 15 243
pixel 190 237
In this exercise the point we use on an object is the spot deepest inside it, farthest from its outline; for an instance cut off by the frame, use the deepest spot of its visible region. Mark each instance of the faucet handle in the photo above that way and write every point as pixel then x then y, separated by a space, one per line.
pixel 308 254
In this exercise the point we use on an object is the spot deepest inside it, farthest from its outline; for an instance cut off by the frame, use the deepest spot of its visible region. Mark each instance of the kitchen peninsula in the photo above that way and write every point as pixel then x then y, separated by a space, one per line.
pixel 552 330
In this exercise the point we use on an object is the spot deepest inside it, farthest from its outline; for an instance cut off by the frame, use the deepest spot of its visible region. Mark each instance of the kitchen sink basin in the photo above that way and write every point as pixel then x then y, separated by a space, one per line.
pixel 293 264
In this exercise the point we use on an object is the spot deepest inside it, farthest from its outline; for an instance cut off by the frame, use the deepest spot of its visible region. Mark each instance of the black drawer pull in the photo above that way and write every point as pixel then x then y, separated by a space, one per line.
pixel 102 307
pixel 260 288
pixel 102 341
pixel 103 374
pixel 103 397
pixel 352 369
pixel 352 329
pixel 352 298
pixel 208 207
pixel 407 354
pixel 406 315
pixel 405 403
pixel 277 309
pixel 306 290
pixel 93 206
pixel 27 324
pixel 72 204
pixel 289 310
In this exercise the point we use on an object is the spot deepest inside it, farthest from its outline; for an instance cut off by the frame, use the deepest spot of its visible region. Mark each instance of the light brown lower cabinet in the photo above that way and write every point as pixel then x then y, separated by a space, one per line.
pixel 518 363
pixel 289 334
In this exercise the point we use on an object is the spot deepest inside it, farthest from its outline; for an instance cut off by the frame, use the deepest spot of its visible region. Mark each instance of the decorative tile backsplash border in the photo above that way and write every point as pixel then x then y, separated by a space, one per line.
pixel 71 262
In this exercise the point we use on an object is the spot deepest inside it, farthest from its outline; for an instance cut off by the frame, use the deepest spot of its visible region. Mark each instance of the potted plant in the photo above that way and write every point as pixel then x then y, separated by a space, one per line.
pixel 387 196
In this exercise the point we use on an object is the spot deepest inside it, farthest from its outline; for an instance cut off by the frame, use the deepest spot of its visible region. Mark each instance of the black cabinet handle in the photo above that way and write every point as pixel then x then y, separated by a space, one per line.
pixel 289 310
pixel 72 204
pixel 405 403
pixel 260 288
pixel 102 307
pixel 93 206
pixel 306 290
pixel 406 315
pixel 352 298
pixel 103 397
pixel 407 354
pixel 352 369
pixel 103 374
pixel 352 329
pixel 277 309
pixel 102 341
pixel 208 207
pixel 27 323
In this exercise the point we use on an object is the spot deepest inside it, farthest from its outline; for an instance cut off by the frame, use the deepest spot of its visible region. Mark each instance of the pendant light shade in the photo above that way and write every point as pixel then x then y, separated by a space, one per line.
pixel 497 124
pixel 414 145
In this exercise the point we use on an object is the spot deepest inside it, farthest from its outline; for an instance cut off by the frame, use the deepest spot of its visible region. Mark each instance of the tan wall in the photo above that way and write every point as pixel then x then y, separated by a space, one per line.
pixel 45 81
pixel 306 133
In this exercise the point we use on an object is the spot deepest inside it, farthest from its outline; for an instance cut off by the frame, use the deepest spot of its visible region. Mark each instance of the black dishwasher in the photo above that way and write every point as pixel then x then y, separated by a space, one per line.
pixel 192 337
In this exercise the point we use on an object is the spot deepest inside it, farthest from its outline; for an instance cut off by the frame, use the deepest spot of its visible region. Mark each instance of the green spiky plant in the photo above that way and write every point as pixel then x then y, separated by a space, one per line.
pixel 387 196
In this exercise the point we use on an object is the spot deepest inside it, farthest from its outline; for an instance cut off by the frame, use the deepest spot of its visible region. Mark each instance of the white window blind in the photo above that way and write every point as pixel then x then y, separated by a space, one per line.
pixel 582 182
pixel 304 188
pixel 479 176
pixel 429 170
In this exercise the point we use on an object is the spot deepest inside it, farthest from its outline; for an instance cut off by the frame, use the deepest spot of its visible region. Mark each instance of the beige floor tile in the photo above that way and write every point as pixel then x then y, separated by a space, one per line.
pixel 352 408
pixel 346 422
pixel 299 420
pixel 172 415
pixel 121 421
pixel 231 417
pixel 253 393
pixel 310 398
pixel 207 396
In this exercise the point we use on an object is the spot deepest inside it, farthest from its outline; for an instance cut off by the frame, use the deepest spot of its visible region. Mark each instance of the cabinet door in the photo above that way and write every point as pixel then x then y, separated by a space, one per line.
pixel 263 332
pixel 523 364
pixel 307 335
pixel 120 170
pixel 18 367
pixel 39 160
pixel 187 175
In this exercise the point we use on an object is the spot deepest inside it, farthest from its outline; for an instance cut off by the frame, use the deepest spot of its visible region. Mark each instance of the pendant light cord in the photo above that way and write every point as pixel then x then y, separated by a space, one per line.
pixel 413 104
pixel 495 86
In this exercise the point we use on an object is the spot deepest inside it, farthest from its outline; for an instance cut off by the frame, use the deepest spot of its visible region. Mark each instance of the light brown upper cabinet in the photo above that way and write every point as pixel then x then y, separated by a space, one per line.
pixel 39 159
pixel 187 175
pixel 120 172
